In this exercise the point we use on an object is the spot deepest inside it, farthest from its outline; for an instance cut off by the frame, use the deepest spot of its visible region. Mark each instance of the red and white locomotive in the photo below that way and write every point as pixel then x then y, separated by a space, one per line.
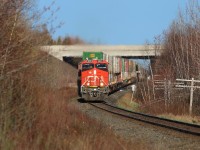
pixel 94 79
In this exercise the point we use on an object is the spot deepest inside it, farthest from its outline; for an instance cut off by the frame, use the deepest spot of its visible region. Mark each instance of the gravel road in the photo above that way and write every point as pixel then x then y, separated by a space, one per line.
pixel 156 137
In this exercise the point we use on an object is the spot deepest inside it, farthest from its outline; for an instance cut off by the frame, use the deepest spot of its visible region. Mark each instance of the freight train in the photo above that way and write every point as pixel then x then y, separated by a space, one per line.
pixel 100 74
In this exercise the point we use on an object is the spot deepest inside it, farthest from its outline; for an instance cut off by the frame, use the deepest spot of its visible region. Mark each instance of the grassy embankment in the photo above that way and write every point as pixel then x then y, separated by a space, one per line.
pixel 36 113
pixel 126 103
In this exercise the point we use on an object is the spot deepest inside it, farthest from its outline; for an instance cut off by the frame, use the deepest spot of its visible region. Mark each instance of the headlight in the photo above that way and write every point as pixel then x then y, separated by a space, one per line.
pixel 88 84
pixel 101 84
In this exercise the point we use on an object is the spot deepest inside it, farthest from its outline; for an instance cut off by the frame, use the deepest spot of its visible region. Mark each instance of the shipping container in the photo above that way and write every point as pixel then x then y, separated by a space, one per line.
pixel 93 55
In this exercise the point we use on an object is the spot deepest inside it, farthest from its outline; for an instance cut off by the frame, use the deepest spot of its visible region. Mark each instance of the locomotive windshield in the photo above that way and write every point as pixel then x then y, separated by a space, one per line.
pixel 102 66
pixel 87 66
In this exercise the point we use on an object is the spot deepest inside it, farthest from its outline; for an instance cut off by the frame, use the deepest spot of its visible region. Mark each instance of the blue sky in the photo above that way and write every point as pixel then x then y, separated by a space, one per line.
pixel 115 22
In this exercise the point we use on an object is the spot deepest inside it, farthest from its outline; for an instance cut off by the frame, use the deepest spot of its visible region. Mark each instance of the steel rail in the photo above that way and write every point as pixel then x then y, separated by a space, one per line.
pixel 162 122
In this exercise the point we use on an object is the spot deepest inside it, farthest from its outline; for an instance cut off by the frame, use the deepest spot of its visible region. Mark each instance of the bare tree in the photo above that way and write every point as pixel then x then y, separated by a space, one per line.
pixel 19 36
pixel 181 44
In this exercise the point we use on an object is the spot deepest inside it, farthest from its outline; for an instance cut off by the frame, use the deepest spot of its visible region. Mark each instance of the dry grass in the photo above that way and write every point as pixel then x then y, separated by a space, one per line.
pixel 175 112
pixel 59 125
pixel 125 102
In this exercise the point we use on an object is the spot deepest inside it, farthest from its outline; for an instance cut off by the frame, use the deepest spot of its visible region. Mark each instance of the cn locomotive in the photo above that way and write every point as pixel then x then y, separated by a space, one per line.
pixel 94 76
pixel 100 74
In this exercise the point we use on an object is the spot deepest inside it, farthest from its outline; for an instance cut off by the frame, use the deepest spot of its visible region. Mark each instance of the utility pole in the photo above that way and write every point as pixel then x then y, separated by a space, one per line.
pixel 191 95
pixel 192 88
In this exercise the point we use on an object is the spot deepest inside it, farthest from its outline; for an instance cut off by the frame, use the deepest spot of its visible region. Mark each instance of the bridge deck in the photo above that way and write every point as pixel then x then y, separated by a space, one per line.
pixel 121 50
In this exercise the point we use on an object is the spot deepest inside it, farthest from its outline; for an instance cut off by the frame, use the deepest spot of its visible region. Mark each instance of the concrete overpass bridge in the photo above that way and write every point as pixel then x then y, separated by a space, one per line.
pixel 132 51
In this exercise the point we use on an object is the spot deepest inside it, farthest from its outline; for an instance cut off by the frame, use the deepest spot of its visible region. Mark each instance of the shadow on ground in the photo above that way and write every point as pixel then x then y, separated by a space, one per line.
pixel 81 100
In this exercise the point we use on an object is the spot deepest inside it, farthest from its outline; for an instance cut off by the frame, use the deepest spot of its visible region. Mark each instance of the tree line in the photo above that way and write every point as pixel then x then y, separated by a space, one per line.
pixel 181 44
pixel 67 40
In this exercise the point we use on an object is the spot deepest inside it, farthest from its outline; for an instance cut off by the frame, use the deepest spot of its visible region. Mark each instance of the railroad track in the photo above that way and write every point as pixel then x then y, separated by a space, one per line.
pixel 162 122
